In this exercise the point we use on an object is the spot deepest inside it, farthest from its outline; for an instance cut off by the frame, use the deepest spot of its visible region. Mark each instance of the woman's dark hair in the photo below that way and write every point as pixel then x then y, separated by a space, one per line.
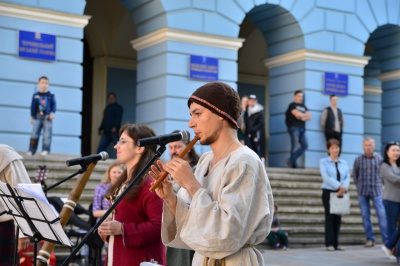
pixel 386 157
pixel 332 142
pixel 135 131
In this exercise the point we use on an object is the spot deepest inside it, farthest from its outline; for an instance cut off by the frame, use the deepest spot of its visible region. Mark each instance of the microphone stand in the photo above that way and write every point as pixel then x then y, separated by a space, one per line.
pixel 93 231
pixel 84 166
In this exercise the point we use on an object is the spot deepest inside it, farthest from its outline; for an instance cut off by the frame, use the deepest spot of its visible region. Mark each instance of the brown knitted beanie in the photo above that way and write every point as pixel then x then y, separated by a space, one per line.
pixel 220 99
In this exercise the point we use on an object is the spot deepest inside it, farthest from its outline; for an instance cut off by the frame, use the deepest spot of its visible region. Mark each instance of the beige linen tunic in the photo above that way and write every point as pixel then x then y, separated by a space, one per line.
pixel 233 208
pixel 12 171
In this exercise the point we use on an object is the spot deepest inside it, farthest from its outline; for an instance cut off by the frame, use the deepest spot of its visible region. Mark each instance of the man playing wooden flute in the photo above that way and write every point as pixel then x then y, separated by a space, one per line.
pixel 225 208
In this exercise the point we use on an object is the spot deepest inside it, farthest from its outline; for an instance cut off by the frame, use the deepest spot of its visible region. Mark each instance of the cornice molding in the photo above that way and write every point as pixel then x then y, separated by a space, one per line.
pixel 389 76
pixel 252 79
pixel 116 62
pixel 303 54
pixel 167 34
pixel 43 15
pixel 369 89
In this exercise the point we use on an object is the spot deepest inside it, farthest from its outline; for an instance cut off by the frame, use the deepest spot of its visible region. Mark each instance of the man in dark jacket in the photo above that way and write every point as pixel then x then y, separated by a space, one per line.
pixel 111 123
pixel 332 121
pixel 254 124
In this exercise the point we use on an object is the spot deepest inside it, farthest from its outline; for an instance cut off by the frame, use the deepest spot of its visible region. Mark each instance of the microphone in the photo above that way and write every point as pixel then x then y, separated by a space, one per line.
pixel 164 139
pixel 88 159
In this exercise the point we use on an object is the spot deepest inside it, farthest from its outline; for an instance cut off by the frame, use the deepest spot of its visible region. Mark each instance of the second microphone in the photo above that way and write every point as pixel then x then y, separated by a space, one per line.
pixel 183 135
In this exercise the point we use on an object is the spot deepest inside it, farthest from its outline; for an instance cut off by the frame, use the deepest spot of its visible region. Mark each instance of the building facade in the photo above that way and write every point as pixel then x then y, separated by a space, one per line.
pixel 141 50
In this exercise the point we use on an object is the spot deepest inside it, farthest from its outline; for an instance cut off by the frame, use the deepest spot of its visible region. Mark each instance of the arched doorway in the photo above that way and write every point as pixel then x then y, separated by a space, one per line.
pixel 268 30
pixel 109 66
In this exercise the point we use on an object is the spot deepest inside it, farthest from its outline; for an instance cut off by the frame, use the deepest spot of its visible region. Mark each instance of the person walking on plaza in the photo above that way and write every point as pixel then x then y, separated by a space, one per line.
pixel 225 208
pixel 335 179
pixel 43 108
pixel 332 121
pixel 296 116
pixel 390 173
pixel 111 123
pixel 368 180
pixel 254 124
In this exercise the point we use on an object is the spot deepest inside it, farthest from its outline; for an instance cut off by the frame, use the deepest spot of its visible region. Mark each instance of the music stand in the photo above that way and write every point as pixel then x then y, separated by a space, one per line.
pixel 33 214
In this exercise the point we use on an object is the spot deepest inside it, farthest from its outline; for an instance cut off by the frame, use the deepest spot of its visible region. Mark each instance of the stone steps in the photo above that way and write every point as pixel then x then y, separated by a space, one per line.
pixel 297 192
pixel 57 171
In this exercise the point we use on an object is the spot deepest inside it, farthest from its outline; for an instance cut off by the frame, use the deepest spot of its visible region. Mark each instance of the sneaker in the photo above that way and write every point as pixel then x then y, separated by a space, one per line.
pixel 369 244
pixel 289 163
pixel 388 253
pixel 29 153
pixel 44 153
pixel 330 248
pixel 340 248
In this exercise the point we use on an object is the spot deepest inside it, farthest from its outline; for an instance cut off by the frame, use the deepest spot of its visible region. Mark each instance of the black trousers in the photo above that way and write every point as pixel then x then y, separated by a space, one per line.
pixel 332 222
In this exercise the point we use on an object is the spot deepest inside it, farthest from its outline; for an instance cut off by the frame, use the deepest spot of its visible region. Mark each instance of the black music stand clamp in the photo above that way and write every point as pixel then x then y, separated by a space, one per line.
pixel 34 218
pixel 92 235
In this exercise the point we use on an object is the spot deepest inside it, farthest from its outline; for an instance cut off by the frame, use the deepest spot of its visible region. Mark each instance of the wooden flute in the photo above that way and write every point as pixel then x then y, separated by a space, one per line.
pixel 163 175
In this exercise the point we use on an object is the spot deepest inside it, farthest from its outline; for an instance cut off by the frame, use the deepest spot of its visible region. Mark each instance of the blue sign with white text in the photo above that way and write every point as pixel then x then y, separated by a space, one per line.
pixel 203 68
pixel 336 83
pixel 35 45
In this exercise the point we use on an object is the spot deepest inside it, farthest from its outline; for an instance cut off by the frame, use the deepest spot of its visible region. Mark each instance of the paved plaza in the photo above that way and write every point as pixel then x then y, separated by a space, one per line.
pixel 353 255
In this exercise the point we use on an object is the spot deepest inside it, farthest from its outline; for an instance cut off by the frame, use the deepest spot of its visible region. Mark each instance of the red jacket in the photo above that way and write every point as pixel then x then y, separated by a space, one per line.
pixel 141 237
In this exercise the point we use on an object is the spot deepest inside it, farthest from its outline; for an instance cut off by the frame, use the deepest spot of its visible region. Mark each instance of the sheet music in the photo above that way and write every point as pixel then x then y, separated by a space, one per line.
pixel 35 190
pixel 43 210
pixel 39 210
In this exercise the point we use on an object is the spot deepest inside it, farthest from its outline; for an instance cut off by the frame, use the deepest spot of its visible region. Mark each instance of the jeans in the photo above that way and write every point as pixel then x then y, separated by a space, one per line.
pixel 278 237
pixel 392 213
pixel 47 126
pixel 300 133
pixel 106 139
pixel 393 239
pixel 366 217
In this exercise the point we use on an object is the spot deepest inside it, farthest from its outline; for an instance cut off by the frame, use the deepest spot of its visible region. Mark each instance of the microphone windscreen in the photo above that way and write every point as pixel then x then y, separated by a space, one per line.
pixel 185 136
pixel 104 155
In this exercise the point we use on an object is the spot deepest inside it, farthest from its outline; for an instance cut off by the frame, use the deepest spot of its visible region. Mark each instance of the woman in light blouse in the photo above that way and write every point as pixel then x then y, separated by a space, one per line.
pixel 335 178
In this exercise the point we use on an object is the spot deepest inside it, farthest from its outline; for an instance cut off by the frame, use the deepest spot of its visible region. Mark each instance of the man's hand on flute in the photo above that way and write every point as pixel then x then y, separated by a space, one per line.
pixel 165 189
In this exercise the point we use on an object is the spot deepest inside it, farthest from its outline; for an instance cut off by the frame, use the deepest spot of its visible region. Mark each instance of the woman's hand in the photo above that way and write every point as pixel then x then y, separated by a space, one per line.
pixel 341 191
pixel 110 228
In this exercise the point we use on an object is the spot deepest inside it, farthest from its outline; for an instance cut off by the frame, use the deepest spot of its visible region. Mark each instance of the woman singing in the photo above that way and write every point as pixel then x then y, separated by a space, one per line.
pixel 134 234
